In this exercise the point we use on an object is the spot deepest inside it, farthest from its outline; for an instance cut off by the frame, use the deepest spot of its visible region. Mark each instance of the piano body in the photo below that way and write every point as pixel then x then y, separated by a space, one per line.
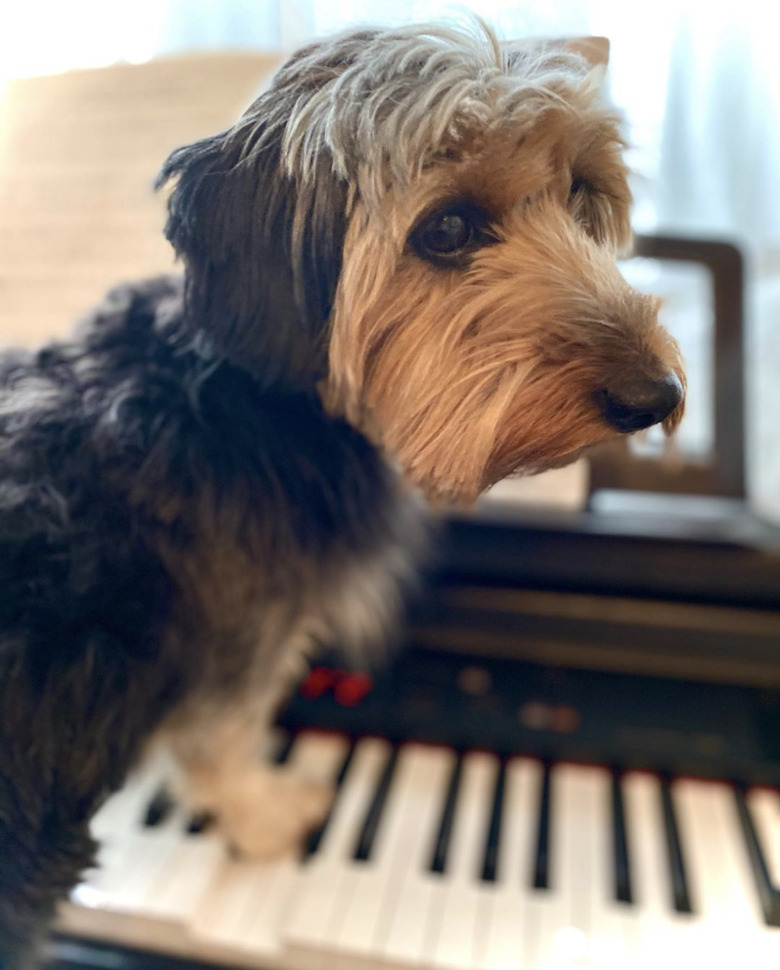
pixel 575 762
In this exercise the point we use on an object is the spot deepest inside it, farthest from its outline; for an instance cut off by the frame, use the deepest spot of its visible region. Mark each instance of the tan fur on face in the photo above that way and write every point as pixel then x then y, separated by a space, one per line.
pixel 468 374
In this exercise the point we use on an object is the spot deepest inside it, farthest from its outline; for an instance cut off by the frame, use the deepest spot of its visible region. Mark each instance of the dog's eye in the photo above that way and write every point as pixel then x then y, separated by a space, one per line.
pixel 447 236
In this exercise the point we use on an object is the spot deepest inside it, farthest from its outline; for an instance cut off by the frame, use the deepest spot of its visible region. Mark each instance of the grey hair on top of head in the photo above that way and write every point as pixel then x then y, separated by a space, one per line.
pixel 259 212
pixel 382 103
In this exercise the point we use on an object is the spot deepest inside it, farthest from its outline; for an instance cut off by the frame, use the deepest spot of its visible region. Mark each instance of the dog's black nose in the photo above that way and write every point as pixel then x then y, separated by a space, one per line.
pixel 638 403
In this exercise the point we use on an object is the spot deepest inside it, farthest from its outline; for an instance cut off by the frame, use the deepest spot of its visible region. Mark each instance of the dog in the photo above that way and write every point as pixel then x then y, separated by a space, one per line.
pixel 399 281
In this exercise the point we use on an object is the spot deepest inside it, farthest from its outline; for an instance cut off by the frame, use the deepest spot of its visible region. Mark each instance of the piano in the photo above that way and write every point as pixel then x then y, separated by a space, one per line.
pixel 574 762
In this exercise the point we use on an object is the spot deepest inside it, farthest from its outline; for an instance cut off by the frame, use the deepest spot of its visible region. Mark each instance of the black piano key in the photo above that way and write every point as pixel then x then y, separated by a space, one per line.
pixel 620 857
pixel 315 838
pixel 541 870
pixel 373 817
pixel 283 752
pixel 681 895
pixel 442 844
pixel 768 893
pixel 159 808
pixel 490 862
pixel 200 822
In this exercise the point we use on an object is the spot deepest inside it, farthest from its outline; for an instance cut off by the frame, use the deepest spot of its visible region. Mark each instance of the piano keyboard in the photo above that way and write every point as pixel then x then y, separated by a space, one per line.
pixel 432 858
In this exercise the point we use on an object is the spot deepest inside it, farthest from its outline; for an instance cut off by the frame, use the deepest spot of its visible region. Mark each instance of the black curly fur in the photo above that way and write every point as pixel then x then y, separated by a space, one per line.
pixel 115 449
pixel 184 414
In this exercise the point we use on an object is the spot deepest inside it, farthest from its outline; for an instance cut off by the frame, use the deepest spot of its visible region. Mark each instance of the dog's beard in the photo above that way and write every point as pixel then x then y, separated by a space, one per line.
pixel 468 379
pixel 468 372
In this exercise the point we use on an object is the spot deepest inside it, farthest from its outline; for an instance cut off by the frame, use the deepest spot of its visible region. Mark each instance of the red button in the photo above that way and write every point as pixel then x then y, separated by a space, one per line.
pixel 319 682
pixel 351 690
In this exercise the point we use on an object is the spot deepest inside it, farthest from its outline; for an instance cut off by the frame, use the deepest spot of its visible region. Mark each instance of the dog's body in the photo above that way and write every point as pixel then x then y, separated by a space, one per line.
pixel 160 556
pixel 403 254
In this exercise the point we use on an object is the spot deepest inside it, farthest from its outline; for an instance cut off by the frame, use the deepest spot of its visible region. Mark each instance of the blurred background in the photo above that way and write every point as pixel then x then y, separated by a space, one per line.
pixel 696 82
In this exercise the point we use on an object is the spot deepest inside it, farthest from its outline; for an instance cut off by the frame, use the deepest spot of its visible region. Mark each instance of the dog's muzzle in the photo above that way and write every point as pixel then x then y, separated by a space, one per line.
pixel 639 403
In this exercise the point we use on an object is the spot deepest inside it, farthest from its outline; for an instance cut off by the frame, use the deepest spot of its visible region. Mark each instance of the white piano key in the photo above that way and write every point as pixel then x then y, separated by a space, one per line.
pixel 559 918
pixel 733 932
pixel 129 887
pixel 115 827
pixel 216 915
pixel 615 925
pixel 243 905
pixel 456 909
pixel 321 893
pixel 765 809
pixel 357 929
pixel 664 935
pixel 190 868
pixel 404 920
pixel 501 939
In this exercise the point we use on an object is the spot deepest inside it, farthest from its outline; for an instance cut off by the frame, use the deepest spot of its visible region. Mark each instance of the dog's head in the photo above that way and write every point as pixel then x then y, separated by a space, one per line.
pixel 423 226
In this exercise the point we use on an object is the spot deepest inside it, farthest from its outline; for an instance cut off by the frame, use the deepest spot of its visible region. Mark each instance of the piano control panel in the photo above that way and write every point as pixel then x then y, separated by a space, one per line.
pixel 662 725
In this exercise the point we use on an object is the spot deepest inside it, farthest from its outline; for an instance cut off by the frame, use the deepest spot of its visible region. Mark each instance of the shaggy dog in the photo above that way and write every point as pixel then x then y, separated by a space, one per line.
pixel 399 279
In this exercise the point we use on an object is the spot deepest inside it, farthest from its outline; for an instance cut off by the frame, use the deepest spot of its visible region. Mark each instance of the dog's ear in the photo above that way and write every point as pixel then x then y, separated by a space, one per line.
pixel 262 252
pixel 593 50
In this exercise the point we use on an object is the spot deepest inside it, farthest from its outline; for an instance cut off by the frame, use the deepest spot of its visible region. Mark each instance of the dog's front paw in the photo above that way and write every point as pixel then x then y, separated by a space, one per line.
pixel 271 811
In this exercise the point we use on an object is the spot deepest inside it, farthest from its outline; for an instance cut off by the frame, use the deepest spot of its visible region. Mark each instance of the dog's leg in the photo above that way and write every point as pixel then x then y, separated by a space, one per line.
pixel 262 809
pixel 41 857
pixel 65 742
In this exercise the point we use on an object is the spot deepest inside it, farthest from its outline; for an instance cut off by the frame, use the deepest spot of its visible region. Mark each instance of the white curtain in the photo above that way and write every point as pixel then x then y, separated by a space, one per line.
pixel 719 150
